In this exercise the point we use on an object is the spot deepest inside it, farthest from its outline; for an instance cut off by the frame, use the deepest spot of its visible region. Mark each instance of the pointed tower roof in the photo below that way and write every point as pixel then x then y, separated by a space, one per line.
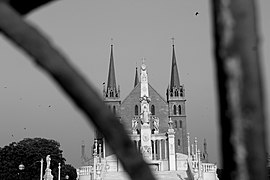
pixel 136 81
pixel 111 83
pixel 175 82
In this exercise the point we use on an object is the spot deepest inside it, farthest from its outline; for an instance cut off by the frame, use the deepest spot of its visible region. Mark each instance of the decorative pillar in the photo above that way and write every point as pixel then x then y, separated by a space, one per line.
pixel 199 166
pixel 165 149
pixel 188 145
pixel 95 159
pixel 196 149
pixel 59 167
pixel 104 148
pixel 192 151
pixel 160 151
pixel 154 146
pixel 41 169
pixel 171 143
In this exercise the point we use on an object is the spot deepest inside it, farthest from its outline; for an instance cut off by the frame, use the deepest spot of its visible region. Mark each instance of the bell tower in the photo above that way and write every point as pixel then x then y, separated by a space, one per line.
pixel 177 109
pixel 111 97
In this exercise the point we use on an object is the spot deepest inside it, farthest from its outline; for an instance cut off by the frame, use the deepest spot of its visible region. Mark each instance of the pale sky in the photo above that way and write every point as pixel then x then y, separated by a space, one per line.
pixel 32 106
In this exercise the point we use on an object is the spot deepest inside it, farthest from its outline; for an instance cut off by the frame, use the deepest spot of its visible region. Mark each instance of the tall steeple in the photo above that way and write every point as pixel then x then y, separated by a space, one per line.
pixel 175 82
pixel 111 83
pixel 111 91
pixel 136 81
pixel 177 108
pixel 111 97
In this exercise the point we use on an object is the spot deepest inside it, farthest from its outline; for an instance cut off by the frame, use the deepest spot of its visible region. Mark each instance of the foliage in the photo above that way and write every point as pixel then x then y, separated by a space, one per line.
pixel 69 170
pixel 220 174
pixel 29 153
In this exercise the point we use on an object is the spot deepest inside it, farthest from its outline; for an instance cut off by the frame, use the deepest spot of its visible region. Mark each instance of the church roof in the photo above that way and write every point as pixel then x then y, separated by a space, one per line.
pixel 151 89
pixel 111 83
pixel 175 82
pixel 136 81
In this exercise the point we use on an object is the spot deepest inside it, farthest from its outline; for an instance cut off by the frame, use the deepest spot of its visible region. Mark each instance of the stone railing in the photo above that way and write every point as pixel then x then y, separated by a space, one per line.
pixel 209 167
pixel 85 170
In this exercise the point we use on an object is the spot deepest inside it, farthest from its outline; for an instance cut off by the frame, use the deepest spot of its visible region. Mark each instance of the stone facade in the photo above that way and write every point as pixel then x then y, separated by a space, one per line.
pixel 157 126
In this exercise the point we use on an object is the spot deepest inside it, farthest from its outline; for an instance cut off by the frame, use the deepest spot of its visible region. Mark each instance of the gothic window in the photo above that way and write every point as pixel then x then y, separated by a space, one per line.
pixel 181 92
pixel 176 93
pixel 174 109
pixel 180 124
pixel 153 110
pixel 179 109
pixel 178 142
pixel 111 93
pixel 114 109
pixel 136 110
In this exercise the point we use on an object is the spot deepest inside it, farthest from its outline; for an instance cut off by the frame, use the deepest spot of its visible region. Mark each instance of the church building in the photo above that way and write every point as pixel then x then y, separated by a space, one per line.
pixel 157 126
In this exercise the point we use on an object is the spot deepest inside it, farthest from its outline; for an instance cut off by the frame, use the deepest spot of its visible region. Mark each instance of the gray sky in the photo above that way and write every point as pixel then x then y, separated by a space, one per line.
pixel 32 106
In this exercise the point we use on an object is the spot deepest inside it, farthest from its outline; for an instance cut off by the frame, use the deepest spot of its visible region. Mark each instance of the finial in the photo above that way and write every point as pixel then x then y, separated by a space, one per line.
pixel 111 41
pixel 143 60
pixel 173 39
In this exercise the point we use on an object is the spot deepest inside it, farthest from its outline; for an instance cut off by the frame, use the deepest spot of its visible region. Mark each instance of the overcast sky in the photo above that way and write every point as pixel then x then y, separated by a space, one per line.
pixel 33 106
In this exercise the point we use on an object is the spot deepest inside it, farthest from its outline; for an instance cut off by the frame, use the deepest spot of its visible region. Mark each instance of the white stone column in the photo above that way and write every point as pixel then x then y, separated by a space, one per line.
pixel 171 150
pixel 41 169
pixel 196 149
pixel 154 146
pixel 59 170
pixel 165 149
pixel 104 148
pixel 188 145
pixel 160 151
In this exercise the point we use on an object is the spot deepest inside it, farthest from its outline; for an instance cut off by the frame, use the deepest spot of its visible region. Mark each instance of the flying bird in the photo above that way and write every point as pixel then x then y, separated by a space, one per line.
pixel 197 13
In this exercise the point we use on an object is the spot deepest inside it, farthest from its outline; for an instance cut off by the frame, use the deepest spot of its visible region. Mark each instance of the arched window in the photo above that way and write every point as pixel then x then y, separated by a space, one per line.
pixel 180 124
pixel 153 110
pixel 136 110
pixel 178 142
pixel 111 93
pixel 179 109
pixel 176 93
pixel 114 109
pixel 175 124
pixel 174 109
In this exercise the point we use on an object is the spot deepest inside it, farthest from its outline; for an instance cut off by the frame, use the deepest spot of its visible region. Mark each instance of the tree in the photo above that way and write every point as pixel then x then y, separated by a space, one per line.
pixel 69 170
pixel 29 153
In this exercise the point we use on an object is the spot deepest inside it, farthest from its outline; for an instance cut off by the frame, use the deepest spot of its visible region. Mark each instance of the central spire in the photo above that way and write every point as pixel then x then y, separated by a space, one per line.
pixel 111 76
pixel 175 82
pixel 145 112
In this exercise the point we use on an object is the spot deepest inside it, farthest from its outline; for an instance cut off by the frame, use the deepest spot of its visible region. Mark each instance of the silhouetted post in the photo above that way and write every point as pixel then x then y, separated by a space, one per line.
pixel 241 100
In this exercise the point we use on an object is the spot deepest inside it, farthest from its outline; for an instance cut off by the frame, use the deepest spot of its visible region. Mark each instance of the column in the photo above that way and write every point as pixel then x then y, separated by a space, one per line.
pixel 171 145
pixel 104 147
pixel 188 145
pixel 160 151
pixel 154 146
pixel 196 149
pixel 165 149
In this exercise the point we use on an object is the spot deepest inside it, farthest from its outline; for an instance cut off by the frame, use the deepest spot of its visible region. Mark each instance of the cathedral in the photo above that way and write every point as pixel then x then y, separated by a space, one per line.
pixel 156 125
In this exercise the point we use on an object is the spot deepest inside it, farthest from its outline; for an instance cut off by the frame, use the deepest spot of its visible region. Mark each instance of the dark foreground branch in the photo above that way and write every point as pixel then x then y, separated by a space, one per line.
pixel 241 103
pixel 74 85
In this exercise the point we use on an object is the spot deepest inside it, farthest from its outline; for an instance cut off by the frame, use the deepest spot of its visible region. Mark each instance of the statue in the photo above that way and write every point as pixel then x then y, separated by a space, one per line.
pixel 145 115
pixel 134 125
pixel 170 123
pixel 48 160
pixel 156 123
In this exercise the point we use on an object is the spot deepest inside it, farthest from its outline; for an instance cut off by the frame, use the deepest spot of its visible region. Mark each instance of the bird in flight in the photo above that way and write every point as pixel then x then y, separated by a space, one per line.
pixel 197 13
